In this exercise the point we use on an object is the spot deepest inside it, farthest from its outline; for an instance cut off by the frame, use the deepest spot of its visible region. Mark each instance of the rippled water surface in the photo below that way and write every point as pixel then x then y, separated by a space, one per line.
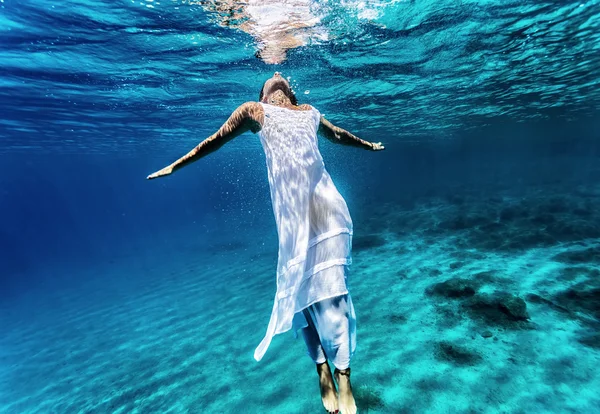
pixel 83 76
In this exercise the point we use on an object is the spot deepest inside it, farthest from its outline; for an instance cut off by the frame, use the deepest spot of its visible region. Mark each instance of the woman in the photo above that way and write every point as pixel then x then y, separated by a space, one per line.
pixel 314 229
pixel 276 25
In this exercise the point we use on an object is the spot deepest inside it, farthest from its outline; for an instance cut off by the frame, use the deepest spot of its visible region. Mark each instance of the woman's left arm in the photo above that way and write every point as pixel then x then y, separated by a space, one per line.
pixel 341 136
pixel 247 117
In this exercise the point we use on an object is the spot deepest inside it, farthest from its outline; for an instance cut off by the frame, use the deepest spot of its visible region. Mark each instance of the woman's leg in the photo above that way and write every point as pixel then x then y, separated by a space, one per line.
pixel 313 343
pixel 335 321
pixel 329 395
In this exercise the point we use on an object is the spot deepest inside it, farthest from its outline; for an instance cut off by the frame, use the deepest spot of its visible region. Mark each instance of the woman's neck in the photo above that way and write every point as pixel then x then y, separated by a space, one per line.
pixel 278 98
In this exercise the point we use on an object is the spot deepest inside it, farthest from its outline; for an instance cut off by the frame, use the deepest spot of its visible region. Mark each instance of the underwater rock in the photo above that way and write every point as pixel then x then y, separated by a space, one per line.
pixel 459 355
pixel 582 298
pixel 514 307
pixel 499 309
pixel 535 298
pixel 366 242
pixel 453 288
pixel 487 334
pixel 590 255
pixel 593 340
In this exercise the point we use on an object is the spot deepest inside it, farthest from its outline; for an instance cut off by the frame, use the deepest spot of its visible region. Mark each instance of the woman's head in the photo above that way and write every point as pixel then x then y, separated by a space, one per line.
pixel 277 83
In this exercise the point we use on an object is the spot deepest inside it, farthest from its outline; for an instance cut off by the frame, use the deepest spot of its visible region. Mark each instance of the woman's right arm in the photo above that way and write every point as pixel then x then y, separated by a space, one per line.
pixel 247 117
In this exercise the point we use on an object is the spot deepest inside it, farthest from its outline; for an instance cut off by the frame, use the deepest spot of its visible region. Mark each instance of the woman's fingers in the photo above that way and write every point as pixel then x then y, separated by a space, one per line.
pixel 164 171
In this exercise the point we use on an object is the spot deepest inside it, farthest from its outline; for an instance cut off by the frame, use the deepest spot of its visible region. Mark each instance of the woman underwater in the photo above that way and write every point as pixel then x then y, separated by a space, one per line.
pixel 314 229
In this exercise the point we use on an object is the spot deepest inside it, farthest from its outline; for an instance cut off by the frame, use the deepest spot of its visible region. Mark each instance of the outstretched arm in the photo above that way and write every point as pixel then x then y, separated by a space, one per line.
pixel 247 117
pixel 341 136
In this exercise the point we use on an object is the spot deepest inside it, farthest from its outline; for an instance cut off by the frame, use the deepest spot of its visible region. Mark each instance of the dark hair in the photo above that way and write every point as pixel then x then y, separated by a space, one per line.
pixel 287 91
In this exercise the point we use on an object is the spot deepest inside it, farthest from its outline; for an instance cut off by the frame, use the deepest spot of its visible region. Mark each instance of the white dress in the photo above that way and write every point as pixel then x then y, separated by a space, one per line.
pixel 313 222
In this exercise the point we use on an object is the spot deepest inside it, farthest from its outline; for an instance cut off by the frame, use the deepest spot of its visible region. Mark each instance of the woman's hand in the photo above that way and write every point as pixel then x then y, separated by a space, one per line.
pixel 376 146
pixel 165 171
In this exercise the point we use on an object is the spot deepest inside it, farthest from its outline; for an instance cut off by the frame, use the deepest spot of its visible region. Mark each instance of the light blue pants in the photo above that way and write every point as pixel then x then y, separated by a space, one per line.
pixel 331 331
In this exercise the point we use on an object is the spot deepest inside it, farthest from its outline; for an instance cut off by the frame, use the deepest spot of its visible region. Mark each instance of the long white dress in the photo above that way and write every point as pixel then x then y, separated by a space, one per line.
pixel 313 222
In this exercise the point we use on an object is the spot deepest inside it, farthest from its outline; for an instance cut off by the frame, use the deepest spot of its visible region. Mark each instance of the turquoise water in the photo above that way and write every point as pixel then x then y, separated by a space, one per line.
pixel 476 275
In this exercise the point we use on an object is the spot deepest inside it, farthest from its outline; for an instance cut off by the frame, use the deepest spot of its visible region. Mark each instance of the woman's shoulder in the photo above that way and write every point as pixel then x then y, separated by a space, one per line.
pixel 253 111
pixel 251 106
pixel 307 107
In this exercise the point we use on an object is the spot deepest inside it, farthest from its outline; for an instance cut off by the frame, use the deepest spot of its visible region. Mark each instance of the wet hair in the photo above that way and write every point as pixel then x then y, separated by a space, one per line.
pixel 287 91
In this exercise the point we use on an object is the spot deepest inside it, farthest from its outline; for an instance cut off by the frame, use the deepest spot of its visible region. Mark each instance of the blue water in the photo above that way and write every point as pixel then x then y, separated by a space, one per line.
pixel 476 275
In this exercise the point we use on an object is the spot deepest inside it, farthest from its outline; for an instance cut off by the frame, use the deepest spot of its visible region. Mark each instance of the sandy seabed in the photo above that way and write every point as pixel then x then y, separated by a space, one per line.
pixel 465 304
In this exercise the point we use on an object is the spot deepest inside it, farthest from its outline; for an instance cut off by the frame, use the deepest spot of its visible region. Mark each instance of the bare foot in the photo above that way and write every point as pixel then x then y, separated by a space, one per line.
pixel 328 392
pixel 346 399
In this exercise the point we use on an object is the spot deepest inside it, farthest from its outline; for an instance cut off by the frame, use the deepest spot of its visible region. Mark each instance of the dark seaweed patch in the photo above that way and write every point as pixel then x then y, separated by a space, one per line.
pixel 456 354
pixel 500 309
pixel 453 288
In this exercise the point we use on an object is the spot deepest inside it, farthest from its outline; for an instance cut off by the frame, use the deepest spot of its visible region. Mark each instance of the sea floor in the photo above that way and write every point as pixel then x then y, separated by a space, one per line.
pixel 469 303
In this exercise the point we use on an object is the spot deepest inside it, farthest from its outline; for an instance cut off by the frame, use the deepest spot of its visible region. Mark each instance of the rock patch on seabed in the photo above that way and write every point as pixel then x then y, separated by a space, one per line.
pixel 582 298
pixel 453 288
pixel 499 309
pixel 456 354
pixel 593 340
pixel 585 256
